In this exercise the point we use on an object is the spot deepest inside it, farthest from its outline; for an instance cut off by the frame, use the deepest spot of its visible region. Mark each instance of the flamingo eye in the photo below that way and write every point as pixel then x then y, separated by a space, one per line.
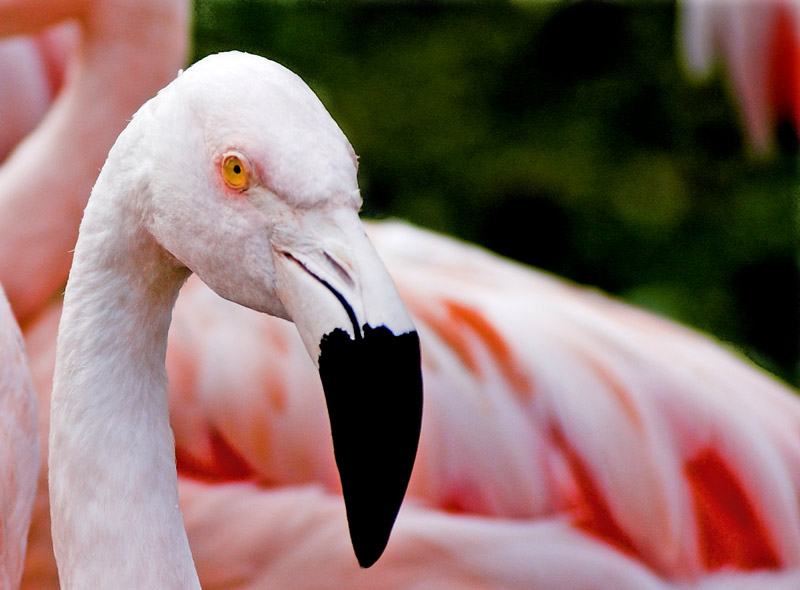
pixel 235 172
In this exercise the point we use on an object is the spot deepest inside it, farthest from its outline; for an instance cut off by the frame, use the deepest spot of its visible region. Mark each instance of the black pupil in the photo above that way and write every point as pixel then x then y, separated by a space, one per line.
pixel 237 169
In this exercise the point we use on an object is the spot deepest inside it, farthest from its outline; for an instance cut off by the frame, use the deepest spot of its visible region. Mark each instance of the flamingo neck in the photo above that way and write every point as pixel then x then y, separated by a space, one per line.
pixel 113 483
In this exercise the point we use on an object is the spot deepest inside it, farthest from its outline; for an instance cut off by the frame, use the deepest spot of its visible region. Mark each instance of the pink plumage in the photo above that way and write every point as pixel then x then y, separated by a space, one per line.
pixel 544 400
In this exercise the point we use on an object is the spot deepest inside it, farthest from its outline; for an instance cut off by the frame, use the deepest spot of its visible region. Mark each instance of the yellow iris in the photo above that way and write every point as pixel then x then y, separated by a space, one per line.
pixel 234 173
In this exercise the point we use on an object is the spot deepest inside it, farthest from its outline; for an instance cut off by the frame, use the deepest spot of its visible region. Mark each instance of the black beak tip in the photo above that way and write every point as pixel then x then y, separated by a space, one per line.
pixel 373 389
pixel 368 547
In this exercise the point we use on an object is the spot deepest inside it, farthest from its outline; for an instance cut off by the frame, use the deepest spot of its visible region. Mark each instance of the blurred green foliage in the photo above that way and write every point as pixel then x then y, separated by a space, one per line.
pixel 565 136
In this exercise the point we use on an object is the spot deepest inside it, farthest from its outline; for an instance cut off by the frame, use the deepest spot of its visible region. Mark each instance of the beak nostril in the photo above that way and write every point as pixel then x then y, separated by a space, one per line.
pixel 340 270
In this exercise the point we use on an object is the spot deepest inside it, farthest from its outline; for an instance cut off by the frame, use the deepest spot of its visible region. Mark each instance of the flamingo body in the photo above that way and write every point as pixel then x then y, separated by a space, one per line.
pixel 543 400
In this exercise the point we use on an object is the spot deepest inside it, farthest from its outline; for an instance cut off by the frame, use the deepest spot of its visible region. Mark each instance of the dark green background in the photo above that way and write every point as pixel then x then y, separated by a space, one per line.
pixel 567 136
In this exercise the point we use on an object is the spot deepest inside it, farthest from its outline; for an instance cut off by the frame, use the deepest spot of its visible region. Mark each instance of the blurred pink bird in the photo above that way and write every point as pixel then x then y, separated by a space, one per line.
pixel 758 44
pixel 124 52
pixel 544 403
pixel 572 441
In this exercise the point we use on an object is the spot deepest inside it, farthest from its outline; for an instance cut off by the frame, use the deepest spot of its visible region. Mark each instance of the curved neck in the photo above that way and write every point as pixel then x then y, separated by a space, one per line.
pixel 113 484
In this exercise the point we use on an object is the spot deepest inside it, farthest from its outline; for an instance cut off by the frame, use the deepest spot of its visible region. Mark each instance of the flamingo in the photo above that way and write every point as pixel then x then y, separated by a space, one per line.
pixel 256 194
pixel 19 451
pixel 229 471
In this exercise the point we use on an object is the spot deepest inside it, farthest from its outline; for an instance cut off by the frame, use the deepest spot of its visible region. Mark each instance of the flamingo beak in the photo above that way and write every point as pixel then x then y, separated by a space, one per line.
pixel 357 330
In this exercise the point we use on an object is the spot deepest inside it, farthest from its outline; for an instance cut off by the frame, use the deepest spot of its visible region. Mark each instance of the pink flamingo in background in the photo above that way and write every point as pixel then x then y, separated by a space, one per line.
pixel 568 441
pixel 126 51
pixel 759 45
pixel 651 448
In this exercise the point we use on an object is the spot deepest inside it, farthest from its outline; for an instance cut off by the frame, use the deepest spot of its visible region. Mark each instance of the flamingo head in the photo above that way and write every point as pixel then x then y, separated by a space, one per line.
pixel 251 185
